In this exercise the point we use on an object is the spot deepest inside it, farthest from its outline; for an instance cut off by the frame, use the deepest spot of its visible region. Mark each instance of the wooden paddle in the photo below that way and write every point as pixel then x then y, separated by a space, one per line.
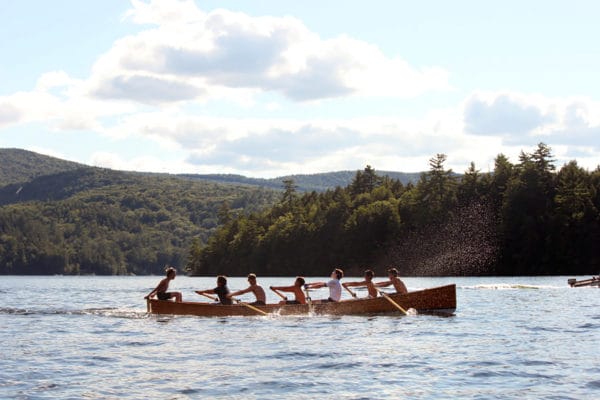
pixel 207 295
pixel 250 306
pixel 388 298
pixel 279 294
pixel 350 291
pixel 308 300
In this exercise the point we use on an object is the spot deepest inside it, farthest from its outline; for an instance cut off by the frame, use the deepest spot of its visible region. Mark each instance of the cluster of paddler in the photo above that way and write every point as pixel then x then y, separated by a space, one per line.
pixel 226 297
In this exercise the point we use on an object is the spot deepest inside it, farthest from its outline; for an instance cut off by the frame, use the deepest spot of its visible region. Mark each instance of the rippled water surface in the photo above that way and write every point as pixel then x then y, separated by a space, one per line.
pixel 89 337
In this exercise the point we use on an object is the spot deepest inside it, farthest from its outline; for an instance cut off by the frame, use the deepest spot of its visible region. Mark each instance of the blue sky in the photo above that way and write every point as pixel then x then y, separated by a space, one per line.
pixel 276 87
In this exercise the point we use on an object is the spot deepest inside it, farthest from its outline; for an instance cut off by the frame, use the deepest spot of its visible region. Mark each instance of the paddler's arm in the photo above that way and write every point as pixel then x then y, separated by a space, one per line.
pixel 230 295
pixel 207 291
pixel 362 283
pixel 153 292
pixel 383 284
pixel 283 288
pixel 150 294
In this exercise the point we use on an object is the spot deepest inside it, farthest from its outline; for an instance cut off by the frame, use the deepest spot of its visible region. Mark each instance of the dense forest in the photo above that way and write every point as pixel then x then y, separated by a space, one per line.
pixel 61 217
pixel 519 219
pixel 58 217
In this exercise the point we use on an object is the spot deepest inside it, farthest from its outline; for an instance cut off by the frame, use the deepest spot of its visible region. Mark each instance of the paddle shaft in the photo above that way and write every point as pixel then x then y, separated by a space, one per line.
pixel 388 298
pixel 237 300
pixel 350 291
pixel 279 294
pixel 207 295
pixel 250 306
pixel 308 300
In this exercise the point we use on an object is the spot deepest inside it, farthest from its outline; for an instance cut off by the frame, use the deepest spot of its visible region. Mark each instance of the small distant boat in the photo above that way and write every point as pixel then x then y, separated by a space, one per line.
pixel 439 300
pixel 594 281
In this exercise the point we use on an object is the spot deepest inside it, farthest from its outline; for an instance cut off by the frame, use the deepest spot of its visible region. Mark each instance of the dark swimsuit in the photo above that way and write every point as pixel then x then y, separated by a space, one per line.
pixel 164 295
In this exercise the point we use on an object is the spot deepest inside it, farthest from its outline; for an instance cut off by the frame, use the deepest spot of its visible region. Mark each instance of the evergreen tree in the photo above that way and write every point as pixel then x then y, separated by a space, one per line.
pixel 526 215
pixel 574 236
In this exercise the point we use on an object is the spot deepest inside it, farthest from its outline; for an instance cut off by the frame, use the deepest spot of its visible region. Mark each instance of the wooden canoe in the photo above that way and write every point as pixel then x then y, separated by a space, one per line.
pixel 439 300
pixel 594 281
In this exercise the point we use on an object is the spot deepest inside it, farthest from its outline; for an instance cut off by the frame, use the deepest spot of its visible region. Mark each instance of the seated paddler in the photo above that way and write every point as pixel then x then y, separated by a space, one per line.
pixel 393 280
pixel 255 288
pixel 334 285
pixel 296 288
pixel 368 282
pixel 161 289
pixel 221 290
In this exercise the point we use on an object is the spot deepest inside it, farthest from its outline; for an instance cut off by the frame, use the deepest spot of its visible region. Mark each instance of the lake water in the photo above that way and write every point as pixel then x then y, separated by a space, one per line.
pixel 89 337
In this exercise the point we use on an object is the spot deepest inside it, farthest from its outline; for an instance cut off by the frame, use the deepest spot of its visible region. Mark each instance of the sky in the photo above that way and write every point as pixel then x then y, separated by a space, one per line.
pixel 267 88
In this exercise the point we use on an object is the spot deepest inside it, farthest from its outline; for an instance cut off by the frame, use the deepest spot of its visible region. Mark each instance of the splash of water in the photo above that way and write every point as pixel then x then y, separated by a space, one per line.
pixel 464 245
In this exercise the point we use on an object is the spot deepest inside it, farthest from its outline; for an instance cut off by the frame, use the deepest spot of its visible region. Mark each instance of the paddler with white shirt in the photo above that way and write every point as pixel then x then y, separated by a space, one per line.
pixel 334 285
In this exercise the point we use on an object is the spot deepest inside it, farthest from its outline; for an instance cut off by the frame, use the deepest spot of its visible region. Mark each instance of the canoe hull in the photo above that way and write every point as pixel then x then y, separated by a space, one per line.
pixel 594 281
pixel 439 300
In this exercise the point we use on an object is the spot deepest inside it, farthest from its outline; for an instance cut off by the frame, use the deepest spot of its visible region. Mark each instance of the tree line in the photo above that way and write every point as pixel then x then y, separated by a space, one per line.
pixel 519 219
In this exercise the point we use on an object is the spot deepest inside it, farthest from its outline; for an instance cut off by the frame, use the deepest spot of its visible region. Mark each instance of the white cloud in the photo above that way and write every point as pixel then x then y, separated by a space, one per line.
pixel 502 114
pixel 24 107
pixel 147 89
pixel 140 89
pixel 267 146
pixel 9 113
pixel 195 55
pixel 59 102
pixel 520 119
pixel 517 121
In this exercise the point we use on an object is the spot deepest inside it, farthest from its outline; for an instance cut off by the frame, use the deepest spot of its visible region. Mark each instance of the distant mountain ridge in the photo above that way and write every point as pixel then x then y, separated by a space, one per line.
pixel 319 182
pixel 18 166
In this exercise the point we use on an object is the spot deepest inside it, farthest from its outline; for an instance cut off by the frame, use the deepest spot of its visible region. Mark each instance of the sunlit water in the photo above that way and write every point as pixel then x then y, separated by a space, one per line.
pixel 89 337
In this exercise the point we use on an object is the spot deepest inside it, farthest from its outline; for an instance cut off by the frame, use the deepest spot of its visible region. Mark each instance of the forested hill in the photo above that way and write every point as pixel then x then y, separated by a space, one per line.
pixel 305 182
pixel 58 217
pixel 62 217
pixel 18 165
